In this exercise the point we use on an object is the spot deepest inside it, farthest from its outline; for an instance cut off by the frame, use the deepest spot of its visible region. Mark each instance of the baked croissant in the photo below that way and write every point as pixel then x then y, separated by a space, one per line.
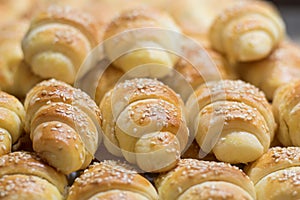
pixel 143 120
pixel 247 31
pixel 111 180
pixel 286 110
pixel 276 174
pixel 12 116
pixel 229 115
pixel 280 67
pixel 201 180
pixel 24 176
pixel 58 41
pixel 64 125
pixel 130 43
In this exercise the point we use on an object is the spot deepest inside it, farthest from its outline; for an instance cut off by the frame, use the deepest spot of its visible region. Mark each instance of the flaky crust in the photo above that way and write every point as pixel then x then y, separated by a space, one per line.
pixel 231 111
pixel 286 111
pixel 276 173
pixel 62 36
pixel 190 173
pixel 30 165
pixel 128 51
pixel 279 68
pixel 64 124
pixel 106 178
pixel 247 31
pixel 147 109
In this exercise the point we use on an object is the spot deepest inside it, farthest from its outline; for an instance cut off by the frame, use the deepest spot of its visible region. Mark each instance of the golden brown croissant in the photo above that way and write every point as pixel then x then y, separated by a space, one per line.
pixel 142 46
pixel 58 41
pixel 12 116
pixel 286 110
pixel 143 120
pixel 280 67
pixel 64 125
pixel 24 176
pixel 111 180
pixel 201 180
pixel 276 174
pixel 247 31
pixel 229 115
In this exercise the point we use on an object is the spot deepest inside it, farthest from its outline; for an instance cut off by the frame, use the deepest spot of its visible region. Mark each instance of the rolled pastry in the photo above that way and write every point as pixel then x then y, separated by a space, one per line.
pixel 276 174
pixel 201 180
pixel 229 115
pixel 111 180
pixel 64 125
pixel 144 121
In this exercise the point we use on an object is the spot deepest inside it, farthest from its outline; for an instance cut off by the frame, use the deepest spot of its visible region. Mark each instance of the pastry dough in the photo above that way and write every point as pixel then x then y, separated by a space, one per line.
pixel 146 125
pixel 247 31
pixel 286 106
pixel 276 174
pixel 24 176
pixel 194 179
pixel 229 115
pixel 58 41
pixel 111 180
pixel 142 36
pixel 64 125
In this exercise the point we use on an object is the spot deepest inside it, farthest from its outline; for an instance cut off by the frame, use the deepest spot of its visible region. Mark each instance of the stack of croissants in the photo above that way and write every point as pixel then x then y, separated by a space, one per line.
pixel 191 100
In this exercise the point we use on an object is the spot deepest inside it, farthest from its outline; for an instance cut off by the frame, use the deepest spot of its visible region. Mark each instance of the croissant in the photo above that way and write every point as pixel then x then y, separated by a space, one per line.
pixel 247 31
pixel 286 106
pixel 58 41
pixel 276 174
pixel 229 115
pixel 198 64
pixel 130 43
pixel 143 120
pixel 280 67
pixel 64 125
pixel 12 116
pixel 111 180
pixel 24 176
pixel 195 179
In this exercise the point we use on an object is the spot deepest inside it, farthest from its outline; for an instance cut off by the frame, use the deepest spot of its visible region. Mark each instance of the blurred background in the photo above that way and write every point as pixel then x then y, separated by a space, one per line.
pixel 290 10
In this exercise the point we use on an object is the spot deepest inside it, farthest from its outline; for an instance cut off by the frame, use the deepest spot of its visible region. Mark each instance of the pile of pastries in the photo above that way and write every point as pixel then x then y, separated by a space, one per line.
pixel 199 100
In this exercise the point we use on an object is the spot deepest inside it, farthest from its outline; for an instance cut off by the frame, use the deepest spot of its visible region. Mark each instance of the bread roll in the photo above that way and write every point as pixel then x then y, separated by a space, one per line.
pixel 194 179
pixel 24 176
pixel 247 31
pixel 64 125
pixel 111 180
pixel 142 36
pixel 58 41
pixel 229 115
pixel 12 116
pixel 280 67
pixel 143 120
pixel 286 106
pixel 276 174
